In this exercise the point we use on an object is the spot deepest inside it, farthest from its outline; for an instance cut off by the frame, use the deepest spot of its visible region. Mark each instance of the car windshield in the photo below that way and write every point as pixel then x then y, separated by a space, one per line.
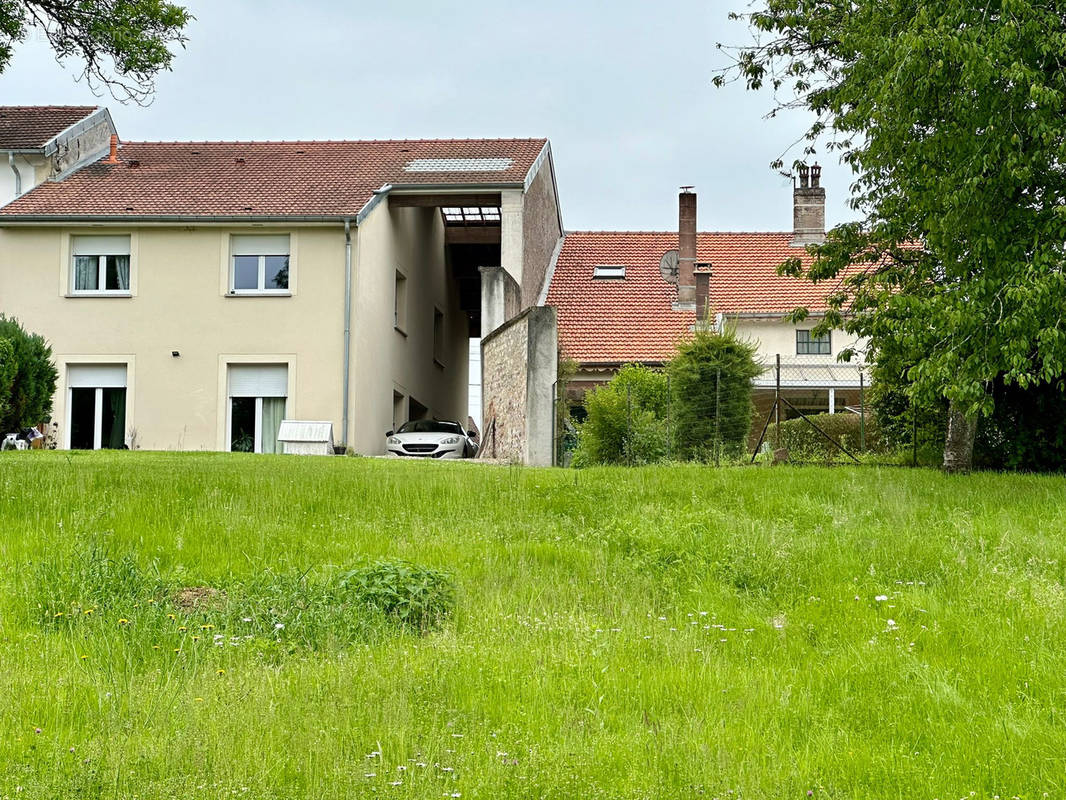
pixel 429 426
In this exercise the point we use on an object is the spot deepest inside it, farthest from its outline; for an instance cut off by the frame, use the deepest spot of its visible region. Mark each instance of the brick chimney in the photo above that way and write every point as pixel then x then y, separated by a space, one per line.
pixel 113 157
pixel 808 207
pixel 686 277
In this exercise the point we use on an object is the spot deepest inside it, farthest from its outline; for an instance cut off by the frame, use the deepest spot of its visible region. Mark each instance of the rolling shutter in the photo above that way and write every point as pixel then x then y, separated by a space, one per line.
pixel 96 376
pixel 258 380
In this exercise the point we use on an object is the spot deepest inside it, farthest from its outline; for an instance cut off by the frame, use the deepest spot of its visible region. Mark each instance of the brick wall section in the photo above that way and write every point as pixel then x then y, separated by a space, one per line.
pixel 540 233
pixel 504 365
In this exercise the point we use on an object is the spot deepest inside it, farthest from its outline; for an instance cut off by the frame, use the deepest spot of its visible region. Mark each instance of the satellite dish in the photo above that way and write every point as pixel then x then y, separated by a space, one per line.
pixel 668 266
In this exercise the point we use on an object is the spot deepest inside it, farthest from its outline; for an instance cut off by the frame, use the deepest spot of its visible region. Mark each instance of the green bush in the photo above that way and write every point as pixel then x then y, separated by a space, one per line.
pixel 418 598
pixel 8 367
pixel 804 442
pixel 29 392
pixel 626 422
pixel 710 382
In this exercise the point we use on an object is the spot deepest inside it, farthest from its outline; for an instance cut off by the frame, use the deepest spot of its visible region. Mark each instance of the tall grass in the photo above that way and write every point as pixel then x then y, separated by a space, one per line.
pixel 661 632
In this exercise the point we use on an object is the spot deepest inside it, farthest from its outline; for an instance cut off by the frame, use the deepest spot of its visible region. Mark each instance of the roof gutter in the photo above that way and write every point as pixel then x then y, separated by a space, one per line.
pixel 18 175
pixel 185 219
pixel 347 330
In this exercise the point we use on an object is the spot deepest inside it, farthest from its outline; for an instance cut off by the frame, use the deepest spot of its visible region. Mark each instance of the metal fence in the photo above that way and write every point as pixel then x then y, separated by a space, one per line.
pixel 804 410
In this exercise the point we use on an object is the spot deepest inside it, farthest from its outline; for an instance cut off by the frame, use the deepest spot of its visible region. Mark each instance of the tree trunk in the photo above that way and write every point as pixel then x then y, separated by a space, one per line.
pixel 958 445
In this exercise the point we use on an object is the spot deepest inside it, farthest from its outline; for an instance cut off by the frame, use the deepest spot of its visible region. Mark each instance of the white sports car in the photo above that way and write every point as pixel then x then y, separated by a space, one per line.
pixel 431 438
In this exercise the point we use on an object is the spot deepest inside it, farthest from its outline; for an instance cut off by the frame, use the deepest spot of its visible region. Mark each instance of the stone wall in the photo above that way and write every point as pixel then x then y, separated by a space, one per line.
pixel 519 367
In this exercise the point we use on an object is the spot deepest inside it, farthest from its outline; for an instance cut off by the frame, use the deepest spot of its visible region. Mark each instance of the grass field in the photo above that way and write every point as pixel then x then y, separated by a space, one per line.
pixel 648 633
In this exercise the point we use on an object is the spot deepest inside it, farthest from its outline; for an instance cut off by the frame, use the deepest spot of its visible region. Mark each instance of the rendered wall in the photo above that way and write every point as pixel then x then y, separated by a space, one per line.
pixel 778 337
pixel 179 279
pixel 385 359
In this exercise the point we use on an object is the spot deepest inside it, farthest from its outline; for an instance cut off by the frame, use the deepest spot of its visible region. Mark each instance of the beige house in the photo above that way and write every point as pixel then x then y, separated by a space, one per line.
pixel 630 296
pixel 196 294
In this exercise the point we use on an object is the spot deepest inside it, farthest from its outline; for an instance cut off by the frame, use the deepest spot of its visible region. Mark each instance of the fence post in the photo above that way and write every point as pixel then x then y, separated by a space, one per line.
pixel 777 404
pixel 629 425
pixel 717 417
pixel 862 411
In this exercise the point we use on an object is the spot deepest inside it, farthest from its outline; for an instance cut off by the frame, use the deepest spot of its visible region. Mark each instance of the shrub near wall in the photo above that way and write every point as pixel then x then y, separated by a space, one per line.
pixel 29 400
pixel 804 443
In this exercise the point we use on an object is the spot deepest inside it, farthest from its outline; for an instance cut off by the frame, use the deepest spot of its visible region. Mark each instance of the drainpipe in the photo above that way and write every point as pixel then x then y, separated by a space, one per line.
pixel 347 325
pixel 18 175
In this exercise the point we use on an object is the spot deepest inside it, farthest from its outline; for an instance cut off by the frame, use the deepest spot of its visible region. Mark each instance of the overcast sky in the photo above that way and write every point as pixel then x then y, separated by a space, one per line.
pixel 622 89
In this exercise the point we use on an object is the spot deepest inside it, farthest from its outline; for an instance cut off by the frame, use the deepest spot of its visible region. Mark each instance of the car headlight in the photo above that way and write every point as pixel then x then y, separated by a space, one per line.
pixel 450 440
pixel 394 440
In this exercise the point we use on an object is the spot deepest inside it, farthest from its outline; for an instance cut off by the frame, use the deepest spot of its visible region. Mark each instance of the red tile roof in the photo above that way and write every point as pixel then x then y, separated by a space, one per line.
pixel 31 127
pixel 611 321
pixel 267 179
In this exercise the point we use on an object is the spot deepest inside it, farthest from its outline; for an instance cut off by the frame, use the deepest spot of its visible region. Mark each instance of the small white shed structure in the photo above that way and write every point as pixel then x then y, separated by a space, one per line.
pixel 306 438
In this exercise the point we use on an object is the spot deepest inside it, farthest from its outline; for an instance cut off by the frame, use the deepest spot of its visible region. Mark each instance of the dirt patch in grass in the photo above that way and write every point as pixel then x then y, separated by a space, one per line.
pixel 199 598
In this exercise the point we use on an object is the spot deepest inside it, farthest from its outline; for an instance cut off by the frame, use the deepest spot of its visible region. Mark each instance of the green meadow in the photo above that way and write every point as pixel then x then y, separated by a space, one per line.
pixel 199 626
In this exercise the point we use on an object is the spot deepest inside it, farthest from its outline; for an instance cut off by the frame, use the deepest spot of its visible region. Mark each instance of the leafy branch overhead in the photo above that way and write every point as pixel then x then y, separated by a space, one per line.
pixel 122 44
pixel 952 116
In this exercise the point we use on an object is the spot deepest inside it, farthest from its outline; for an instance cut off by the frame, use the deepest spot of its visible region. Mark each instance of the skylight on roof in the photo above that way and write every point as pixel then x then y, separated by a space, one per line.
pixel 465 215
pixel 609 271
pixel 458 165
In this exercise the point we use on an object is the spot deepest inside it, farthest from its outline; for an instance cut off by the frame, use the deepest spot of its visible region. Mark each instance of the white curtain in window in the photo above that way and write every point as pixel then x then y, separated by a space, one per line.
pixel 86 273
pixel 122 273
pixel 262 245
pixel 273 414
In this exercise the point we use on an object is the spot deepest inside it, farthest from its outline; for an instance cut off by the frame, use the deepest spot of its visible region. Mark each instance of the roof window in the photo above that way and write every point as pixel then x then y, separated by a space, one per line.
pixel 609 271
pixel 467 215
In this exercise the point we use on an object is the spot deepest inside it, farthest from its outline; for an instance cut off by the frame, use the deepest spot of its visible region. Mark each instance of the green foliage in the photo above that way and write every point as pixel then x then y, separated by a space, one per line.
pixel 621 633
pixel 416 597
pixel 710 381
pixel 805 443
pixel 950 114
pixel 626 422
pixel 121 44
pixel 30 395
pixel 292 609
pixel 1026 430
pixel 8 369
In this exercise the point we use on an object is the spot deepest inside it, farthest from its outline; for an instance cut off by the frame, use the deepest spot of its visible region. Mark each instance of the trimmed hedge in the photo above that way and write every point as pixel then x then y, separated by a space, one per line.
pixel 804 442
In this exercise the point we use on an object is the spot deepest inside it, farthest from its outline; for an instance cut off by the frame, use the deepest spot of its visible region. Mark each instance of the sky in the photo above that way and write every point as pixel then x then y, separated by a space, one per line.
pixel 622 89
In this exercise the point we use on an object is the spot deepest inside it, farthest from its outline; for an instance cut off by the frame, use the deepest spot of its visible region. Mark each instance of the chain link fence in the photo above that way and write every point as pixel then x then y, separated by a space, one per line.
pixel 802 411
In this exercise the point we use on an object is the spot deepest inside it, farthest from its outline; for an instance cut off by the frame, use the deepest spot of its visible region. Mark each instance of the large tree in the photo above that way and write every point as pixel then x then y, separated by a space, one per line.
pixel 121 44
pixel 952 115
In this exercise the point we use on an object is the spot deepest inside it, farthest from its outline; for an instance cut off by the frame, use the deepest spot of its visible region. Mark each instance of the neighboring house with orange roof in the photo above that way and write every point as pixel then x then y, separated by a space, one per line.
pixel 38 143
pixel 615 306
pixel 196 293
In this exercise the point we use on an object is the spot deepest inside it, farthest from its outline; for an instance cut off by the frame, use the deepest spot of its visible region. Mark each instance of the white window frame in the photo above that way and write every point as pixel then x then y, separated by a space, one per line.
pixel 101 269
pixel 399 303
pixel 261 289
pixel 98 413
pixel 98 407
pixel 257 436
pixel 609 272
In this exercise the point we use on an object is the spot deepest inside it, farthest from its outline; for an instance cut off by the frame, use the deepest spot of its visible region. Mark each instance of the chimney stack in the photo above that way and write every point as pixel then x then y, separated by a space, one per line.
pixel 113 158
pixel 686 278
pixel 808 207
